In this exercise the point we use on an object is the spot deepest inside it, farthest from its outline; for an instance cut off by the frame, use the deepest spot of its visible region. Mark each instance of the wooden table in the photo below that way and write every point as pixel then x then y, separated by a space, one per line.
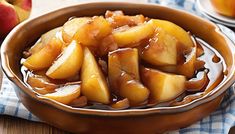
pixel 12 125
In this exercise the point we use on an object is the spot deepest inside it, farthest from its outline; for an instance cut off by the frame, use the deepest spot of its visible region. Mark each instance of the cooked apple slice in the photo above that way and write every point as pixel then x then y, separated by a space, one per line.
pixel 179 33
pixel 123 74
pixel 132 89
pixel 132 36
pixel 94 85
pixel 68 64
pixel 44 40
pixel 45 57
pixel 41 84
pixel 187 68
pixel 160 50
pixel 163 86
pixel 65 94
pixel 72 26
pixel 92 31
pixel 125 59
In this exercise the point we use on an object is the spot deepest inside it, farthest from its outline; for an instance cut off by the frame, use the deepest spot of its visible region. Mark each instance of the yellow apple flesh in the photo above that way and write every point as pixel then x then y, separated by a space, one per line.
pixel 179 33
pixel 132 36
pixel 68 64
pixel 160 50
pixel 94 84
pixel 72 26
pixel 163 86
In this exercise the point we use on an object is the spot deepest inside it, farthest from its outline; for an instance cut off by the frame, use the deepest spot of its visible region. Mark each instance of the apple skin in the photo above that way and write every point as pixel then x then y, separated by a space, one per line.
pixel 8 18
pixel 12 13
pixel 224 7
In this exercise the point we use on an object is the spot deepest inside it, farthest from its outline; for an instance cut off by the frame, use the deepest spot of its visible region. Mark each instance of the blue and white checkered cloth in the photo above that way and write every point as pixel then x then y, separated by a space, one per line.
pixel 218 122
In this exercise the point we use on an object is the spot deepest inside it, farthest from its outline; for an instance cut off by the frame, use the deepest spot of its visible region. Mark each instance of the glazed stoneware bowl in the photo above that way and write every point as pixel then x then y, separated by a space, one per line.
pixel 131 121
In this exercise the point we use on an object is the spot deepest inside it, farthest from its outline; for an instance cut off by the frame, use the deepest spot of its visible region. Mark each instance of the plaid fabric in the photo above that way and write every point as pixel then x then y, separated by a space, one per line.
pixel 219 121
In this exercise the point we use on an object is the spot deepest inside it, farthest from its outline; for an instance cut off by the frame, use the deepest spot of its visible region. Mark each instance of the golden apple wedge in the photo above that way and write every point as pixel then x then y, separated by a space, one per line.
pixel 126 60
pixel 68 64
pixel 94 30
pixel 44 40
pixel 179 33
pixel 160 50
pixel 45 57
pixel 72 26
pixel 132 36
pixel 94 84
pixel 65 94
pixel 163 86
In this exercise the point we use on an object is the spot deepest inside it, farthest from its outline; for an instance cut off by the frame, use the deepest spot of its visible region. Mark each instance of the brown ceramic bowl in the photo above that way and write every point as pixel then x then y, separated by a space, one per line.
pixel 132 121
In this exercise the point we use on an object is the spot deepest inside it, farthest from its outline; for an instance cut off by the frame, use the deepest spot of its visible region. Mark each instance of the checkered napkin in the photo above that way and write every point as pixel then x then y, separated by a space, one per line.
pixel 219 121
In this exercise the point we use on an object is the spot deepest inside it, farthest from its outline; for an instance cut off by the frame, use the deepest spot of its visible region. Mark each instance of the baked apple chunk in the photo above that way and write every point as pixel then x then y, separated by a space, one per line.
pixel 68 64
pixel 124 77
pixel 160 50
pixel 163 86
pixel 45 57
pixel 94 84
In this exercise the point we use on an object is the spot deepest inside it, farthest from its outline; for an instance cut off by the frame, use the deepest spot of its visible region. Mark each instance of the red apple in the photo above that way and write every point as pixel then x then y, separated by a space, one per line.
pixel 224 7
pixel 12 12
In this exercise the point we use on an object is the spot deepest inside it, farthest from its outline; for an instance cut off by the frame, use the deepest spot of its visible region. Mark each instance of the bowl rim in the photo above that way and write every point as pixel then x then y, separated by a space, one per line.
pixel 217 91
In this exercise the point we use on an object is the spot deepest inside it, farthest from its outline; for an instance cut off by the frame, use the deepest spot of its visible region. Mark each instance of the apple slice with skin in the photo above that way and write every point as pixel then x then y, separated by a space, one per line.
pixel 132 36
pixel 68 64
pixel 45 57
pixel 44 40
pixel 94 85
pixel 163 86
pixel 72 26
pixel 160 50
pixel 65 94
pixel 179 33
pixel 125 59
